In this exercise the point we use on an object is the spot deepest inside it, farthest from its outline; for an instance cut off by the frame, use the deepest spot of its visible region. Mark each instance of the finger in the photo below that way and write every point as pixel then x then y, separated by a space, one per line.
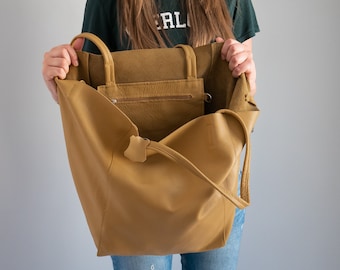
pixel 251 78
pixel 237 60
pixel 76 46
pixel 51 72
pixel 235 50
pixel 219 40
pixel 252 86
pixel 246 66
pixel 70 54
pixel 225 51
pixel 65 51
pixel 249 69
pixel 55 66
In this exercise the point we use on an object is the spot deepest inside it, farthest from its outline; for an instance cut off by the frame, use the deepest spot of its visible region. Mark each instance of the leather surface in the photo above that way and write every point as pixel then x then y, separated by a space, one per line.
pixel 172 192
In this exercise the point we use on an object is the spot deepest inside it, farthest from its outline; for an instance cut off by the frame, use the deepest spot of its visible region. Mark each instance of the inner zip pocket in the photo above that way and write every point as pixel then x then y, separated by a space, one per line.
pixel 158 108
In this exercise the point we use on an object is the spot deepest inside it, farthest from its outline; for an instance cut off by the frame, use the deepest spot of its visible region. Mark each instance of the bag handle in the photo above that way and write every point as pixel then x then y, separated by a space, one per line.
pixel 108 60
pixel 137 151
pixel 109 64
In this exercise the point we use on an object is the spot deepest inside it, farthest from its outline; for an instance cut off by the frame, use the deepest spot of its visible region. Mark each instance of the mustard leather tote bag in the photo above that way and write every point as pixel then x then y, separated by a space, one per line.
pixel 156 140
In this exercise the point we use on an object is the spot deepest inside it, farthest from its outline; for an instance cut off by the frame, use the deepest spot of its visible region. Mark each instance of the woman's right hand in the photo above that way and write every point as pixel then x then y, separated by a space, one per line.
pixel 57 63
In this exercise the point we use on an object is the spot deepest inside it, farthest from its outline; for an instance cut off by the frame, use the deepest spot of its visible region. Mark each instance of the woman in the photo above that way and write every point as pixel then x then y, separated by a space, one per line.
pixel 132 24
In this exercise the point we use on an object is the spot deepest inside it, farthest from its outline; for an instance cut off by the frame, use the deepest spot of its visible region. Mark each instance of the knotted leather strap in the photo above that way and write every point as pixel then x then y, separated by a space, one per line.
pixel 137 152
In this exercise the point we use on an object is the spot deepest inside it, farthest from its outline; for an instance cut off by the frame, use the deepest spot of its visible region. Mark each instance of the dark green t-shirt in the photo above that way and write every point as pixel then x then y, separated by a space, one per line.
pixel 101 19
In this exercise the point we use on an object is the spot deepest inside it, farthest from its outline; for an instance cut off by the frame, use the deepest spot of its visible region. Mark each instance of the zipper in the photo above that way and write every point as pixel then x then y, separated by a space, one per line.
pixel 150 98
pixel 207 98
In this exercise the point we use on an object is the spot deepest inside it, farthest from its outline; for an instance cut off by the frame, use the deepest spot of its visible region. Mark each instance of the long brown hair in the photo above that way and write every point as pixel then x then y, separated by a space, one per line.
pixel 208 20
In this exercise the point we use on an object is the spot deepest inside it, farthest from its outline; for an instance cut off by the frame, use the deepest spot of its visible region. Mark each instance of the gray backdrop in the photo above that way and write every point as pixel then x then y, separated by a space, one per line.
pixel 293 222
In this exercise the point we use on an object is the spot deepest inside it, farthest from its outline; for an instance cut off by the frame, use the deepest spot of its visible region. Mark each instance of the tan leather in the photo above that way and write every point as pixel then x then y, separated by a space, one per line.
pixel 173 191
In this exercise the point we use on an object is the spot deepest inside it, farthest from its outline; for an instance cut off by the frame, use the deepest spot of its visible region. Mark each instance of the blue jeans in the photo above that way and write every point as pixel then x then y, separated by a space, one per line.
pixel 225 258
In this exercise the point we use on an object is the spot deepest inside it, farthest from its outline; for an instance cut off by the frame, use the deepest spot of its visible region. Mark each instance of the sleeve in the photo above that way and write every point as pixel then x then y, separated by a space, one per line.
pixel 245 23
pixel 96 20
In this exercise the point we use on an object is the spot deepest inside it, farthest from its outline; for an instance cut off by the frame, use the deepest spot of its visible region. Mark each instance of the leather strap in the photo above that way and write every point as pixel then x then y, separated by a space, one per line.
pixel 137 151
pixel 191 61
pixel 108 60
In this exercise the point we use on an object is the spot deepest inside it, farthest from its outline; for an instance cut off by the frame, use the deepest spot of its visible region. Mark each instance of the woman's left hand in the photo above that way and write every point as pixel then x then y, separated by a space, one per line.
pixel 240 58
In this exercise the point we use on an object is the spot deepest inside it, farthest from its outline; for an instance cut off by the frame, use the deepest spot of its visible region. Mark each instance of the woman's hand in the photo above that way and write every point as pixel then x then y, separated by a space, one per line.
pixel 57 62
pixel 240 59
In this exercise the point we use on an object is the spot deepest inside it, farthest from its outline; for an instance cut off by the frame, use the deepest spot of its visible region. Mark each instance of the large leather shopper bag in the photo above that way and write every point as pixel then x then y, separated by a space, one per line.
pixel 156 140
